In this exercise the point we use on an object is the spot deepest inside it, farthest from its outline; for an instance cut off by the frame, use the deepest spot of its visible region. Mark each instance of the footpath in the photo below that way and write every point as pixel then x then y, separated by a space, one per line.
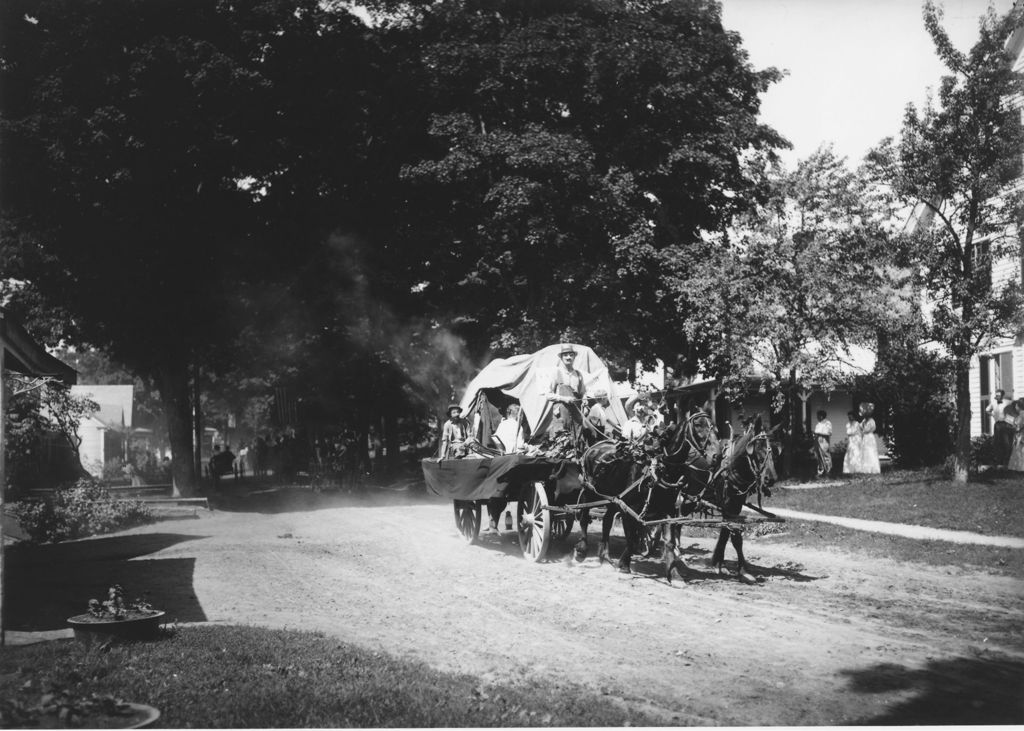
pixel 905 531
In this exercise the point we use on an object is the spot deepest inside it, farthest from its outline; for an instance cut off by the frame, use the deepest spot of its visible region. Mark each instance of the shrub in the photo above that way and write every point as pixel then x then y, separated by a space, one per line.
pixel 84 509
pixel 113 471
pixel 838 452
pixel 982 451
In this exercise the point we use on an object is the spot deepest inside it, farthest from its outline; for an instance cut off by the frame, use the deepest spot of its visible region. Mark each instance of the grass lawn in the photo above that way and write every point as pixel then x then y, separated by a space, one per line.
pixel 245 677
pixel 991 505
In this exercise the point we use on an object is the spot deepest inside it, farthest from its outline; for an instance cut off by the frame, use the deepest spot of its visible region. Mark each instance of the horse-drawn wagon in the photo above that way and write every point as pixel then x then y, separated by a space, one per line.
pixel 656 482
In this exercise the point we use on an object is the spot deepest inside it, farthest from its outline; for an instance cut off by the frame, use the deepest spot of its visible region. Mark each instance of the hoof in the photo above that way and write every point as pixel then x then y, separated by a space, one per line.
pixel 580 553
pixel 625 569
pixel 746 578
pixel 677 566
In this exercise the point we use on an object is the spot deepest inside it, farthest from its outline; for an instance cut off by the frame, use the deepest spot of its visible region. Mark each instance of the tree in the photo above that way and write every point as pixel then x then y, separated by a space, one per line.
pixel 957 160
pixel 577 149
pixel 164 161
pixel 36 410
pixel 786 290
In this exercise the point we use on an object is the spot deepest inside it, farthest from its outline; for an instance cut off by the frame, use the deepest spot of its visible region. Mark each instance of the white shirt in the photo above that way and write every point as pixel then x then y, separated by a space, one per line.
pixel 998 410
pixel 506 434
pixel 823 428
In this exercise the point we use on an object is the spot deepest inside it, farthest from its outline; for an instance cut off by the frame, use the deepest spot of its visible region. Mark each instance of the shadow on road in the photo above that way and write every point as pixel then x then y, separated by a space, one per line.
pixel 962 690
pixel 44 585
pixel 293 499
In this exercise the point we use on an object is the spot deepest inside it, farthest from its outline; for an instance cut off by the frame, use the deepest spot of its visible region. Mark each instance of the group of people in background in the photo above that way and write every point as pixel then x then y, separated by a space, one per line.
pixel 861 443
pixel 861 457
pixel 1007 431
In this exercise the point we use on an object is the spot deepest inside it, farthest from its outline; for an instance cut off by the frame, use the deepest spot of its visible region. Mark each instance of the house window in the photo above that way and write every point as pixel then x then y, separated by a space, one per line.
pixel 981 256
pixel 1004 373
pixel 985 388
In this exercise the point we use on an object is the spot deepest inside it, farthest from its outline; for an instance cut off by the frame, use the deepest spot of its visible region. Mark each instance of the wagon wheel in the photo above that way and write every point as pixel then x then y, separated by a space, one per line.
pixel 561 525
pixel 534 523
pixel 467 520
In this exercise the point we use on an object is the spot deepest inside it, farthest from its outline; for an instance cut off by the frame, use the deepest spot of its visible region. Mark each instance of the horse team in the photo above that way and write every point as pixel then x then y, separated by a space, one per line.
pixel 681 474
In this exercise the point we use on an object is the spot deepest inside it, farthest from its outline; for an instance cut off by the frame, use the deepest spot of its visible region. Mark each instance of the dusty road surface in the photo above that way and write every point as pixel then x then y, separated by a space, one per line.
pixel 824 638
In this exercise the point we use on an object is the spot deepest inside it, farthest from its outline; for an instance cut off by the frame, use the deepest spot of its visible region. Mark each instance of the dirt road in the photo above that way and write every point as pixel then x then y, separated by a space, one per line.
pixel 823 639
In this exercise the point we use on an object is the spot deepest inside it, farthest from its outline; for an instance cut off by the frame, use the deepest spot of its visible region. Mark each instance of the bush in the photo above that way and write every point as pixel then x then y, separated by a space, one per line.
pixel 84 509
pixel 113 472
pixel 838 452
pixel 982 451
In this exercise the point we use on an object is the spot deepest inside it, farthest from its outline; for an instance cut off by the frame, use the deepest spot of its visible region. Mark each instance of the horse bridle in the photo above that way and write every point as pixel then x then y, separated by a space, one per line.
pixel 757 471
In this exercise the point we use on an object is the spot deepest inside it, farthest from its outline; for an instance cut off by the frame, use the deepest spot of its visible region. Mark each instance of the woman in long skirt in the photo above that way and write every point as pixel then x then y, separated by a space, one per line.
pixel 1016 462
pixel 851 461
pixel 869 464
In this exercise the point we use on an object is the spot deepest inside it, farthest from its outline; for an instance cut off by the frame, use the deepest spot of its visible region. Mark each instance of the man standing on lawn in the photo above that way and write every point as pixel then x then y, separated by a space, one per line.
pixel 1002 429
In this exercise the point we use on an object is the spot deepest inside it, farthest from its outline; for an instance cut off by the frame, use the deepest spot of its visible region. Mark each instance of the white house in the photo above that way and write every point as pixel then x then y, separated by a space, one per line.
pixel 104 434
pixel 1001 365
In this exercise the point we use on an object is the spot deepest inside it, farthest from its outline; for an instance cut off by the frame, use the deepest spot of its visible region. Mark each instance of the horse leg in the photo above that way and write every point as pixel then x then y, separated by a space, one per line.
pixel 631 529
pixel 606 530
pixel 580 549
pixel 670 553
pixel 718 557
pixel 741 562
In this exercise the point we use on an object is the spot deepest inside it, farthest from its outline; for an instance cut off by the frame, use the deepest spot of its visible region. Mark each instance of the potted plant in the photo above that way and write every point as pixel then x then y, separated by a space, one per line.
pixel 58 708
pixel 116 620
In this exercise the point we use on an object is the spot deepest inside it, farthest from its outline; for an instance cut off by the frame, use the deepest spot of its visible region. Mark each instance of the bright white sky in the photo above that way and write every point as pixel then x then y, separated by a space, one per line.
pixel 853 64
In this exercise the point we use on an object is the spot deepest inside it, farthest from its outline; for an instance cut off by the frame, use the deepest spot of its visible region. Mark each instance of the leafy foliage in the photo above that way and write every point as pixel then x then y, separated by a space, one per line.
pixel 578 149
pixel 82 510
pixel 913 386
pixel 785 294
pixel 31 417
pixel 956 161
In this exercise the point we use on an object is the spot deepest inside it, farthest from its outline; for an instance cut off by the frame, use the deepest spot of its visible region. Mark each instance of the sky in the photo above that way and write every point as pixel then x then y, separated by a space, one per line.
pixel 853 65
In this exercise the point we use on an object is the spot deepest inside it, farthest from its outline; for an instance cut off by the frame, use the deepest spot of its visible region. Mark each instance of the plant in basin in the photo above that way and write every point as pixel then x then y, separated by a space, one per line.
pixel 117 619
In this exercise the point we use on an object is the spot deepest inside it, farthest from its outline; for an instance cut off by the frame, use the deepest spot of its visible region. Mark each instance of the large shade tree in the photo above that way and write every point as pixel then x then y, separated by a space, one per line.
pixel 957 161
pixel 164 161
pixel 577 149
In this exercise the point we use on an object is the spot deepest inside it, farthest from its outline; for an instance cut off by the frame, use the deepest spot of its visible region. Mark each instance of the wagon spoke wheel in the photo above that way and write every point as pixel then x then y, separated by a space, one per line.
pixel 467 520
pixel 561 526
pixel 534 523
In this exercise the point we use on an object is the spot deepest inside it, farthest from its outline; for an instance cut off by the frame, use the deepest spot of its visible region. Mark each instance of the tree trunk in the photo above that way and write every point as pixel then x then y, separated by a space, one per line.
pixel 176 399
pixel 391 442
pixel 196 416
pixel 962 449
pixel 789 426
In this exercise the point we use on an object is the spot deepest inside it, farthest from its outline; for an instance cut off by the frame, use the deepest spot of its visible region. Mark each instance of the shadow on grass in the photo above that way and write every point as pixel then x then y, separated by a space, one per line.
pixel 44 585
pixel 962 690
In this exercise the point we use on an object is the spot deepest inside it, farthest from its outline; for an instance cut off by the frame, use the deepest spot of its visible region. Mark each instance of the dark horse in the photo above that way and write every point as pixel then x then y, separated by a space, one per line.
pixel 690 472
pixel 718 477
pixel 622 473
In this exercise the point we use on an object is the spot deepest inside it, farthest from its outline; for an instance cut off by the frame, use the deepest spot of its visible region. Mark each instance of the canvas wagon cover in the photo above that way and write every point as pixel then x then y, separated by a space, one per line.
pixel 528 379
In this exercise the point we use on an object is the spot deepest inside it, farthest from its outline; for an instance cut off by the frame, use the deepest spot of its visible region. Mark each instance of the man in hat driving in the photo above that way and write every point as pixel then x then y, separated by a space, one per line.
pixel 454 434
pixel 566 388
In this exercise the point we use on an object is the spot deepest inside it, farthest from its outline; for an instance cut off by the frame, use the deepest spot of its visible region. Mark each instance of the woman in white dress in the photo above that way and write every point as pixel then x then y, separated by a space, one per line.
pixel 869 463
pixel 851 461
pixel 1016 462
